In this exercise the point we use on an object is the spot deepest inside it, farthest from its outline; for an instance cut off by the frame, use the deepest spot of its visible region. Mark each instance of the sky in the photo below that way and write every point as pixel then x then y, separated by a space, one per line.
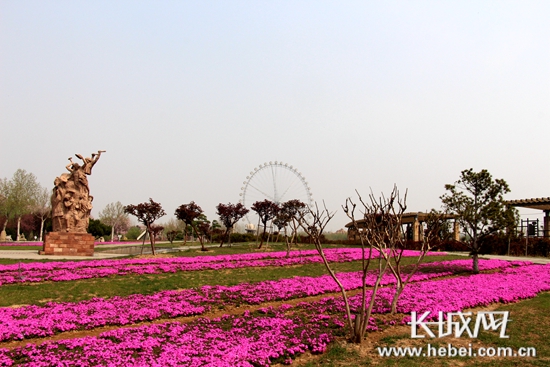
pixel 188 97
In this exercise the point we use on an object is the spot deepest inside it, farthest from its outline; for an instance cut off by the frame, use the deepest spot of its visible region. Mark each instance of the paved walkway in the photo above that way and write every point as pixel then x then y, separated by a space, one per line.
pixel 33 255
pixel 535 260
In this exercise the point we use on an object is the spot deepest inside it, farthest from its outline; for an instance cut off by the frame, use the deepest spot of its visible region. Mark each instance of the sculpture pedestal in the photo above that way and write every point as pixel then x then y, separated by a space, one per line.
pixel 67 243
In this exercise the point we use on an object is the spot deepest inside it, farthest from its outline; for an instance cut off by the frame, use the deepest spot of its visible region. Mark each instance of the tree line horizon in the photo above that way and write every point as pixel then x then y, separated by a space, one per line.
pixel 476 199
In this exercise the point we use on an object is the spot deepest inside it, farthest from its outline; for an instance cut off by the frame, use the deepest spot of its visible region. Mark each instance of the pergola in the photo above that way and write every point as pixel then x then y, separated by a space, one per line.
pixel 412 219
pixel 538 204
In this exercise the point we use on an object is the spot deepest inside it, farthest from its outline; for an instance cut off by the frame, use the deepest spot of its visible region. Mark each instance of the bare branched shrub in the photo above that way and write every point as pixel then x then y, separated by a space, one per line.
pixel 379 233
pixel 435 224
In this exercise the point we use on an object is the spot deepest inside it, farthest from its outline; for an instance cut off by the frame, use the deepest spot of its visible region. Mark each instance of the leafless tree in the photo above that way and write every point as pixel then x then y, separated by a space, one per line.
pixel 434 225
pixel 114 215
pixel 378 232
pixel 42 208
pixel 314 225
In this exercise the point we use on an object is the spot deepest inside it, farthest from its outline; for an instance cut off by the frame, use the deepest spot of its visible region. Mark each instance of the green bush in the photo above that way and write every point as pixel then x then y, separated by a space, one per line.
pixel 242 237
pixel 98 229
pixel 133 233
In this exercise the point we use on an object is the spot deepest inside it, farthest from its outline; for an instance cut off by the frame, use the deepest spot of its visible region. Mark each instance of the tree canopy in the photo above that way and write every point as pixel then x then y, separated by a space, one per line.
pixel 147 213
pixel 266 210
pixel 18 196
pixel 478 202
pixel 115 216
pixel 190 213
pixel 229 215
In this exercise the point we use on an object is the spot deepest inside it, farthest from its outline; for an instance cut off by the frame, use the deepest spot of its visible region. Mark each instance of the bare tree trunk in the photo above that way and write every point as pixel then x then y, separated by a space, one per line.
pixel 398 290
pixel 18 228
pixel 475 254
pixel 258 231
pixel 152 240
pixel 223 237
pixel 42 228
pixel 263 235
pixel 287 245
pixel 475 257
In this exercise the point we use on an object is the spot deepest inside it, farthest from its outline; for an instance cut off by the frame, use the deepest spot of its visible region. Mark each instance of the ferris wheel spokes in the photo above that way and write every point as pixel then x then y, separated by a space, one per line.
pixel 277 182
pixel 260 191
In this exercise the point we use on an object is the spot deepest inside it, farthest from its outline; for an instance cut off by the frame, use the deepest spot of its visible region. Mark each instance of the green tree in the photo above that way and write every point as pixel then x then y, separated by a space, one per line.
pixel 133 233
pixel 477 201
pixel 19 195
pixel 114 215
pixel 98 229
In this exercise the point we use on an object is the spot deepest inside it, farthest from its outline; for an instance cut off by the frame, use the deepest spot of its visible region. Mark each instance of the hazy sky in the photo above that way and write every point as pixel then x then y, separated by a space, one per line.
pixel 188 97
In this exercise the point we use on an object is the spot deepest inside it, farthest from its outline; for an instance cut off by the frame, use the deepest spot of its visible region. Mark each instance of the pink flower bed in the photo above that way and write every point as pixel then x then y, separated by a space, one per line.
pixel 41 321
pixel 454 294
pixel 271 335
pixel 248 340
pixel 66 271
pixel 37 243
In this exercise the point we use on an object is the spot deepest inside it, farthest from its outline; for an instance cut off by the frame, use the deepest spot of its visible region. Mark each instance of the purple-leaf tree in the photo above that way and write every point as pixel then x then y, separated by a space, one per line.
pixel 295 210
pixel 266 210
pixel 188 213
pixel 147 213
pixel 229 215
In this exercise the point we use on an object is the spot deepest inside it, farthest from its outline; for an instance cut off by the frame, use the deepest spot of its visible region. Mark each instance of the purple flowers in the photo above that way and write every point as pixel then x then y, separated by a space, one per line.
pixel 41 321
pixel 249 340
pixel 67 271
pixel 255 338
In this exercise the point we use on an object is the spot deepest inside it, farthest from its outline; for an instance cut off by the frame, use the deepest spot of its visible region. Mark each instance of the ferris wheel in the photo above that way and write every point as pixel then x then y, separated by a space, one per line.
pixel 277 182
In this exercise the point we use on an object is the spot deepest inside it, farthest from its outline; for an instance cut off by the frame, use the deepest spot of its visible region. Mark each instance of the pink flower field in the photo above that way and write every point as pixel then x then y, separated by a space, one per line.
pixel 255 336
pixel 35 321
pixel 67 271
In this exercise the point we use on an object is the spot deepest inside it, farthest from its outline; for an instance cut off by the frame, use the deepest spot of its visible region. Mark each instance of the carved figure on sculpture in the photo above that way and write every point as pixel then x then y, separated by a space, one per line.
pixel 71 199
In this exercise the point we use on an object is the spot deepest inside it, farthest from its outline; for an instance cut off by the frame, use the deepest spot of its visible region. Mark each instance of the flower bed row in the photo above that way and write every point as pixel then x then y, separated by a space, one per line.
pixel 67 271
pixel 39 243
pixel 453 294
pixel 42 321
pixel 248 340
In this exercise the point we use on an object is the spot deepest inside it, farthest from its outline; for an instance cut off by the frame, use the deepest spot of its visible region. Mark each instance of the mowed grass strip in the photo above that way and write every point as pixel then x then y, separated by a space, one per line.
pixel 78 290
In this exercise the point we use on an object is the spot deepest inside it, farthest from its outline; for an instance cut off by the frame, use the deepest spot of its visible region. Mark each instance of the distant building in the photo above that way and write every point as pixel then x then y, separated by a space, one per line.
pixel 540 204
pixel 414 222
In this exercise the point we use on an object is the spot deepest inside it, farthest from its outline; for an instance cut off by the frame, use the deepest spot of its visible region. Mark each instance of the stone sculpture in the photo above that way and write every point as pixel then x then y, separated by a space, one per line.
pixel 71 199
pixel 71 208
